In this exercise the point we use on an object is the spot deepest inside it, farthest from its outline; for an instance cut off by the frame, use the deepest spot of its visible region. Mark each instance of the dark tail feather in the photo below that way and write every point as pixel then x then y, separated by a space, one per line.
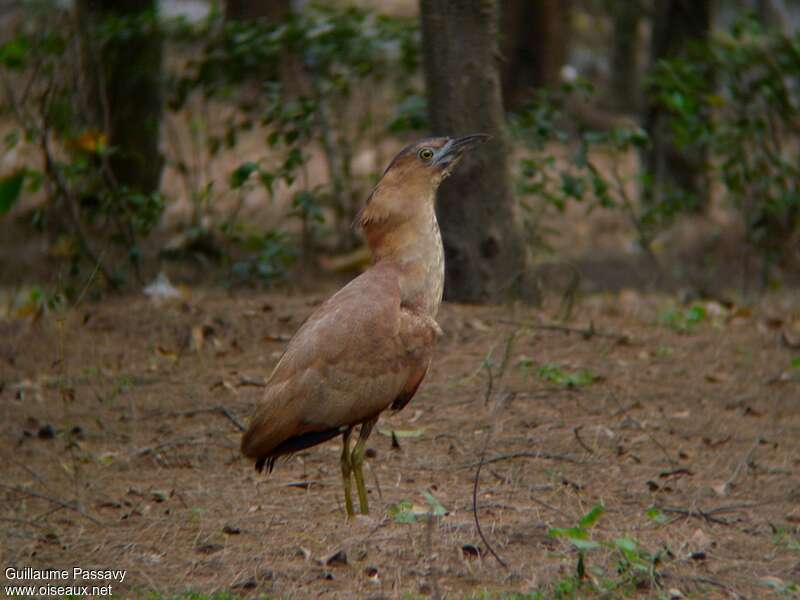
pixel 295 444
pixel 268 460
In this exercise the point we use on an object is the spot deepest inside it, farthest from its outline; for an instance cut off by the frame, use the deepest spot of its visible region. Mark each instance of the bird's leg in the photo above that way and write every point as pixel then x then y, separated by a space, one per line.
pixel 347 469
pixel 357 461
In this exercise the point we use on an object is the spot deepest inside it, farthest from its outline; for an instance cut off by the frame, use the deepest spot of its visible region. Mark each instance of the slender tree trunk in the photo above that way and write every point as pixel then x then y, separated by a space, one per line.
pixel 533 44
pixel 676 26
pixel 624 56
pixel 772 14
pixel 485 252
pixel 272 11
pixel 125 93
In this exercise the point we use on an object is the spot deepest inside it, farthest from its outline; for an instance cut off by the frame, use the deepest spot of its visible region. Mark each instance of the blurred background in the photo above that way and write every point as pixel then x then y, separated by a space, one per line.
pixel 647 144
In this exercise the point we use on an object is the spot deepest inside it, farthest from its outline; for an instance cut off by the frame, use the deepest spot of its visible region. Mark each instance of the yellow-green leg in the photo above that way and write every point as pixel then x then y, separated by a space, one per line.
pixel 347 469
pixel 357 462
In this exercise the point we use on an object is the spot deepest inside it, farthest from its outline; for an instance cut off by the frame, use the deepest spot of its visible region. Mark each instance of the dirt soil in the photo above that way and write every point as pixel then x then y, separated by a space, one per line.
pixel 120 450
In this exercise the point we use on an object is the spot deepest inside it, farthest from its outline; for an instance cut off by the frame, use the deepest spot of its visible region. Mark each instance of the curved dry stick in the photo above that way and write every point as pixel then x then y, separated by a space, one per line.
pixel 489 547
pixel 475 507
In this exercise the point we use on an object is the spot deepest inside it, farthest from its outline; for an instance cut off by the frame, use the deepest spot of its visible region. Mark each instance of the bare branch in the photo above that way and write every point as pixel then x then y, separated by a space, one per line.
pixel 587 333
pixel 58 502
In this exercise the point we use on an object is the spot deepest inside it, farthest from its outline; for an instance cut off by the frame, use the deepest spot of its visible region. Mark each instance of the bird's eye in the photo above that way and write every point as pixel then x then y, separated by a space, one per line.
pixel 425 154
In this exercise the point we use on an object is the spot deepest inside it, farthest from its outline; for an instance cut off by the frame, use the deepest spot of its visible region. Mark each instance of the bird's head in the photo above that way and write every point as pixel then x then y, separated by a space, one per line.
pixel 408 185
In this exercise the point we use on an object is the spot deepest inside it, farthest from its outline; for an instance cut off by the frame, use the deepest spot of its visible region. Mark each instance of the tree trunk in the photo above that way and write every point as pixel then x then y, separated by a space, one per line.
pixel 625 55
pixel 125 94
pixel 676 26
pixel 772 15
pixel 485 252
pixel 272 11
pixel 533 45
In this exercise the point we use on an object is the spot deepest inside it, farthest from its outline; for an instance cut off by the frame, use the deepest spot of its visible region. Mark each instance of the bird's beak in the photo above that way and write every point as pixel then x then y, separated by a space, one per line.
pixel 447 156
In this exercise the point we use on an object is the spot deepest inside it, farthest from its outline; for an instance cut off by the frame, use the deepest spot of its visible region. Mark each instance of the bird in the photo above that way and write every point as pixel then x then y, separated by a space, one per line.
pixel 368 347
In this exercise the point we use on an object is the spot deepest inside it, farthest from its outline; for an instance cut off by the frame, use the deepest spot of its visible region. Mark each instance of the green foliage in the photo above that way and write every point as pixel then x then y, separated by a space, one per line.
pixel 411 114
pixel 746 114
pixel 270 254
pixel 787 537
pixel 41 65
pixel 781 587
pixel 408 512
pixel 657 515
pixel 555 374
pixel 579 535
pixel 402 512
pixel 634 568
pixel 683 320
pixel 334 54
pixel 547 182
pixel 10 189
pixel 302 82
pixel 735 99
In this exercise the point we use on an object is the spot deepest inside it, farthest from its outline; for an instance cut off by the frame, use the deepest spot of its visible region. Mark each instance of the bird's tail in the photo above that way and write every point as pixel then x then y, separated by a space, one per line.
pixel 265 440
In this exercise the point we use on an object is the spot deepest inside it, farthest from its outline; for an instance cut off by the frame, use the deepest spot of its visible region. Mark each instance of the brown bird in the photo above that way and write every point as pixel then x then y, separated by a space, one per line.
pixel 368 347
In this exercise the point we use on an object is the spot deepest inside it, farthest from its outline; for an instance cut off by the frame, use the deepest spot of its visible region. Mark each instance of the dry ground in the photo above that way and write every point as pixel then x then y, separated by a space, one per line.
pixel 116 453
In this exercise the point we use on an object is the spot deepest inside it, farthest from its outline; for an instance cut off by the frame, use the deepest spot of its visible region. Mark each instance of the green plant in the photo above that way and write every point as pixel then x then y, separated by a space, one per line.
pixel 634 567
pixel 656 515
pixel 328 56
pixel 747 116
pixel 683 320
pixel 299 85
pixel 86 201
pixel 787 538
pixel 556 374
pixel 408 512
pixel 269 255
pixel 547 182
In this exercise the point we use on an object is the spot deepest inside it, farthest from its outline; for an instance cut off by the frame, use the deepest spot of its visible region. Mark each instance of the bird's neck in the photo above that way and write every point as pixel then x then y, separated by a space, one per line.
pixel 415 249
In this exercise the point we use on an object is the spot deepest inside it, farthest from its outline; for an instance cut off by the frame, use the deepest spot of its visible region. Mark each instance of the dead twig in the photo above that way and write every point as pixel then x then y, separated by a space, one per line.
pixel 704 580
pixel 659 445
pixel 577 432
pixel 695 513
pixel 434 575
pixel 57 501
pixel 791 345
pixel 745 463
pixel 184 441
pixel 231 417
pixel 501 368
pixel 529 454
pixel 25 522
pixel 219 410
pixel 55 176
pixel 585 333
pixel 476 480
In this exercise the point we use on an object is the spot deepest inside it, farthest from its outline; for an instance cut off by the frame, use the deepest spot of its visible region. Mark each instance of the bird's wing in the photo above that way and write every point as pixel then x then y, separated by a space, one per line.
pixel 355 356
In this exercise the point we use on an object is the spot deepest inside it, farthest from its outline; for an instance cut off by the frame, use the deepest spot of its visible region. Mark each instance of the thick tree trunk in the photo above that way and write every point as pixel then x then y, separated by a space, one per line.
pixel 676 26
pixel 624 56
pixel 125 93
pixel 485 252
pixel 272 11
pixel 533 44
